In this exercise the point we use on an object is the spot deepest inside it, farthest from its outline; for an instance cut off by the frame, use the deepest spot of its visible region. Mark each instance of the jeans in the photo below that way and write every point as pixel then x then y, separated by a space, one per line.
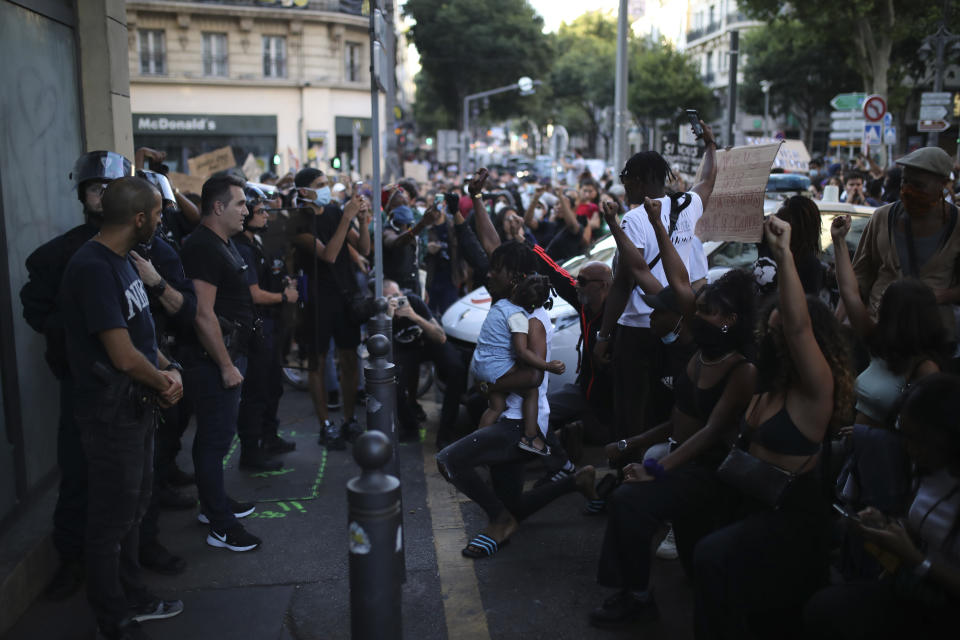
pixel 120 462
pixel 752 577
pixel 261 389
pixel 70 513
pixel 496 447
pixel 450 369
pixel 638 510
pixel 216 410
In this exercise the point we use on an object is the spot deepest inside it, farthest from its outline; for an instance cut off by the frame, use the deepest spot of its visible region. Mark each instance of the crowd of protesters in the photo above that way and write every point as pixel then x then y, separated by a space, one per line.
pixel 733 413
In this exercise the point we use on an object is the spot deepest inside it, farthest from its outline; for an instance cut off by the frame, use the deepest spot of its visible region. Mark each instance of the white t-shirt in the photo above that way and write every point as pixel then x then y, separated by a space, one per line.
pixel 515 403
pixel 638 228
pixel 698 261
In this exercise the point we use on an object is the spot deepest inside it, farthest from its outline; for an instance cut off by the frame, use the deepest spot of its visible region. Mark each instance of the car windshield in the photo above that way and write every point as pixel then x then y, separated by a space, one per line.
pixel 858 222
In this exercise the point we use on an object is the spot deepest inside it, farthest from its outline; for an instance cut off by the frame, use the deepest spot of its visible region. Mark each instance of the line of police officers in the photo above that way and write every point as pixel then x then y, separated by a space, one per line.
pixel 121 306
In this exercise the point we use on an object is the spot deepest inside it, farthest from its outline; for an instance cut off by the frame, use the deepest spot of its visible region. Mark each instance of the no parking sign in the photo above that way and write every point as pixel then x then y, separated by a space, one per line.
pixel 874 108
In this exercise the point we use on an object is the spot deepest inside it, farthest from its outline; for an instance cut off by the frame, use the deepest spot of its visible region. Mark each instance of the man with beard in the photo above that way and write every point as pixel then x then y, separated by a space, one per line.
pixel 916 237
pixel 120 378
pixel 91 174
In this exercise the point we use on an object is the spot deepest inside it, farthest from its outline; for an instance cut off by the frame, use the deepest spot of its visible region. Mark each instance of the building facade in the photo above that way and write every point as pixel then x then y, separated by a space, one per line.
pixel 287 82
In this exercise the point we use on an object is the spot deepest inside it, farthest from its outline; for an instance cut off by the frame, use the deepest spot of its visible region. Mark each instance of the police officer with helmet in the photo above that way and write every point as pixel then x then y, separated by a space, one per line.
pixel 91 174
pixel 263 385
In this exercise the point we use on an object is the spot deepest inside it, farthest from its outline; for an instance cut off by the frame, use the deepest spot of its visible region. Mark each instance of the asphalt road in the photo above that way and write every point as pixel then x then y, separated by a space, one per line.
pixel 296 586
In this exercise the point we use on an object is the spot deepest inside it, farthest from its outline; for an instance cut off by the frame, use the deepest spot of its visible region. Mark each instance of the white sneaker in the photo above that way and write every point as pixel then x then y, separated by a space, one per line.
pixel 668 548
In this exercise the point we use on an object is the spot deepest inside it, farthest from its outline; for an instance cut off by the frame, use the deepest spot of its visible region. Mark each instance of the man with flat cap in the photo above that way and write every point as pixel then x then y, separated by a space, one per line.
pixel 915 237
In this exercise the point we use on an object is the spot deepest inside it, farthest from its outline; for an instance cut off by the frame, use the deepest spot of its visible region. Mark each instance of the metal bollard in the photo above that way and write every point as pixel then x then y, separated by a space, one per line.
pixel 376 541
pixel 382 324
pixel 380 381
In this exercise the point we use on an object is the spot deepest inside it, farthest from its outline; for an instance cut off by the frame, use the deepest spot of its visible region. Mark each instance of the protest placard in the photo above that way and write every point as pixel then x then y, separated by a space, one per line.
pixel 735 209
pixel 186 184
pixel 206 164
pixel 416 171
pixel 793 156
pixel 681 157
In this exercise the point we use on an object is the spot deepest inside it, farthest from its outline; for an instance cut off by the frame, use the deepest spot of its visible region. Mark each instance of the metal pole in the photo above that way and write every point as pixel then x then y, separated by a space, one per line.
pixel 355 161
pixel 375 534
pixel 466 136
pixel 375 148
pixel 620 89
pixel 933 137
pixel 380 382
pixel 732 88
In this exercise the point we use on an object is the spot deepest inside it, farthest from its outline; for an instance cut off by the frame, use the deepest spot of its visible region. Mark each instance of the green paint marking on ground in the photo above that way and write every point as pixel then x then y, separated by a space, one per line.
pixel 283 505
pixel 423 434
pixel 298 506
pixel 267 515
pixel 233 447
pixel 314 489
pixel 269 474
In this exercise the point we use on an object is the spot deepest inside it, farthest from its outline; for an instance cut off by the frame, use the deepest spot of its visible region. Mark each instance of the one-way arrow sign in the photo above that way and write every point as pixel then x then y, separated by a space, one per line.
pixel 848 101
pixel 932 126
pixel 934 112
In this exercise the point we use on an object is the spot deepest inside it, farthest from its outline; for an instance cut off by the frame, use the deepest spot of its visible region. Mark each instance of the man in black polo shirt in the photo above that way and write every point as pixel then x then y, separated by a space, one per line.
pixel 120 377
pixel 324 240
pixel 217 362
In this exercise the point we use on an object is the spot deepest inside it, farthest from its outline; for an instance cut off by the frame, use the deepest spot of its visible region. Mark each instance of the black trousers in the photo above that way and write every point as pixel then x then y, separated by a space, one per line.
pixel 170 429
pixel 450 368
pixel 120 465
pixel 753 577
pixel 636 361
pixel 262 389
pixel 496 447
pixel 690 496
pixel 70 513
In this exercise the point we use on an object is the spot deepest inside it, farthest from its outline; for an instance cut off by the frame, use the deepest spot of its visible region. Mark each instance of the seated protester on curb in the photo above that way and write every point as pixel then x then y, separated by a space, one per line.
pixel 323 243
pixel 803 216
pixel 752 576
pixel 496 446
pixel 216 359
pixel 120 377
pixel 417 338
pixel 92 173
pixel 637 352
pixel 173 304
pixel 918 237
pixel 263 385
pixel 504 363
pixel 919 595
pixel 681 485
pixel 907 342
pixel 580 221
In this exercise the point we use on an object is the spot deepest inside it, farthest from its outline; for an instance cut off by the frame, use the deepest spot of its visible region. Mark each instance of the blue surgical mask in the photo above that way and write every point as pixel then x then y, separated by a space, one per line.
pixel 673 336
pixel 324 195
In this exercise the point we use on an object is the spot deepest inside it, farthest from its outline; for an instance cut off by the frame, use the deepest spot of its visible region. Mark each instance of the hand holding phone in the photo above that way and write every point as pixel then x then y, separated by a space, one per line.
pixel 694 119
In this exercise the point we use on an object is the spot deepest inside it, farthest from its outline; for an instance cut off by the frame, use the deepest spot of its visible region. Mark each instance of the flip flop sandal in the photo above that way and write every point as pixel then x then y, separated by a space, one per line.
pixel 595 507
pixel 527 445
pixel 482 547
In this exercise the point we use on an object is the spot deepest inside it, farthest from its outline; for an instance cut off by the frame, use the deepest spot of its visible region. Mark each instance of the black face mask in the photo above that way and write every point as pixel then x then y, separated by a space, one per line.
pixel 711 339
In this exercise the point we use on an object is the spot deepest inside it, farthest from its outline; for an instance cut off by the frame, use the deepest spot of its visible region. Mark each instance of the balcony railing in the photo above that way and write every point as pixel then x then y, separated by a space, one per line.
pixel 696 34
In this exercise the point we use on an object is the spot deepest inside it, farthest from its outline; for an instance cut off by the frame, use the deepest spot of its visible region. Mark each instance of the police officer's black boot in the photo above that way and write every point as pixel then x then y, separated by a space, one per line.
pixel 254 458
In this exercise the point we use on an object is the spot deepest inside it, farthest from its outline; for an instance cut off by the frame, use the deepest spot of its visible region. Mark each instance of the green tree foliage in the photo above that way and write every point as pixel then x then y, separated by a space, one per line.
pixel 664 82
pixel 466 47
pixel 791 56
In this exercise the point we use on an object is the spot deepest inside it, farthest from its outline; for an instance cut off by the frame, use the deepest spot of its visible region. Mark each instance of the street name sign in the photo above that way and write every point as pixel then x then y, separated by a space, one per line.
pixel 848 101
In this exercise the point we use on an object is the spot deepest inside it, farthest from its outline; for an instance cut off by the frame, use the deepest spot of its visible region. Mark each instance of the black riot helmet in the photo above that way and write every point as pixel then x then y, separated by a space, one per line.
pixel 162 183
pixel 104 166
pixel 255 197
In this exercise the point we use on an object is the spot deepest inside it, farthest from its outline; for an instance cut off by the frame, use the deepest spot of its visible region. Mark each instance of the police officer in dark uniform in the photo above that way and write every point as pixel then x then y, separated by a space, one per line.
pixel 91 174
pixel 120 379
pixel 216 362
pixel 173 304
pixel 263 385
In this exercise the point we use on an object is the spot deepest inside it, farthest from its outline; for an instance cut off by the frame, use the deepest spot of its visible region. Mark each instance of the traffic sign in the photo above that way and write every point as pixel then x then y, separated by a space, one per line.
pixel 847 125
pixel 872 133
pixel 874 107
pixel 848 101
pixel 931 97
pixel 933 112
pixel 889 135
pixel 887 119
pixel 847 135
pixel 932 126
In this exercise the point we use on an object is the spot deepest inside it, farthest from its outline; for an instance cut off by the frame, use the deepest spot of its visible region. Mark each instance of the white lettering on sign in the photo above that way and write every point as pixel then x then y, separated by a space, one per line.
pixel 170 124
pixel 137 299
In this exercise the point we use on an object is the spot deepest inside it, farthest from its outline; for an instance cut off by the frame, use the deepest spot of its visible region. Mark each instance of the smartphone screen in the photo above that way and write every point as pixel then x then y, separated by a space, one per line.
pixel 843 511
pixel 694 118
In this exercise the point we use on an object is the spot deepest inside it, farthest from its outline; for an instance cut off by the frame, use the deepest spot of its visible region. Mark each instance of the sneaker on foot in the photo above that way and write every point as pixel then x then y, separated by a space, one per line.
pixel 240 510
pixel 276 444
pixel 331 437
pixel 351 429
pixel 552 476
pixel 256 459
pixel 235 539
pixel 158 610
pixel 668 547
pixel 622 609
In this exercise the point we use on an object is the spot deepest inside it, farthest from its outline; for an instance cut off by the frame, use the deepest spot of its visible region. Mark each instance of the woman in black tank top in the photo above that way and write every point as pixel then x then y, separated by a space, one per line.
pixel 753 576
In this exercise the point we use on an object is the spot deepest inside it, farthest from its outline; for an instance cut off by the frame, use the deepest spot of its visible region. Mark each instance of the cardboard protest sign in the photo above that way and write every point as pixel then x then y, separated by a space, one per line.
pixel 251 168
pixel 416 171
pixel 206 164
pixel 735 209
pixel 793 156
pixel 681 157
pixel 186 184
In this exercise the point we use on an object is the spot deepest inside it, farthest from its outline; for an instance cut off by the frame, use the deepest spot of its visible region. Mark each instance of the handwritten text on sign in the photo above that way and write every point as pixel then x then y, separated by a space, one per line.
pixel 735 209
pixel 207 164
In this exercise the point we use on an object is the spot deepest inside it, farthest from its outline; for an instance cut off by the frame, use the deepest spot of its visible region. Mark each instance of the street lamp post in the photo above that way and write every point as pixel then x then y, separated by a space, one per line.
pixel 620 88
pixel 524 85
pixel 765 87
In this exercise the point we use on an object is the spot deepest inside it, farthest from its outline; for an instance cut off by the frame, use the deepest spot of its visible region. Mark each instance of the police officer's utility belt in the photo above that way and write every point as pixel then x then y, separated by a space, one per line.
pixel 121 393
pixel 237 337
